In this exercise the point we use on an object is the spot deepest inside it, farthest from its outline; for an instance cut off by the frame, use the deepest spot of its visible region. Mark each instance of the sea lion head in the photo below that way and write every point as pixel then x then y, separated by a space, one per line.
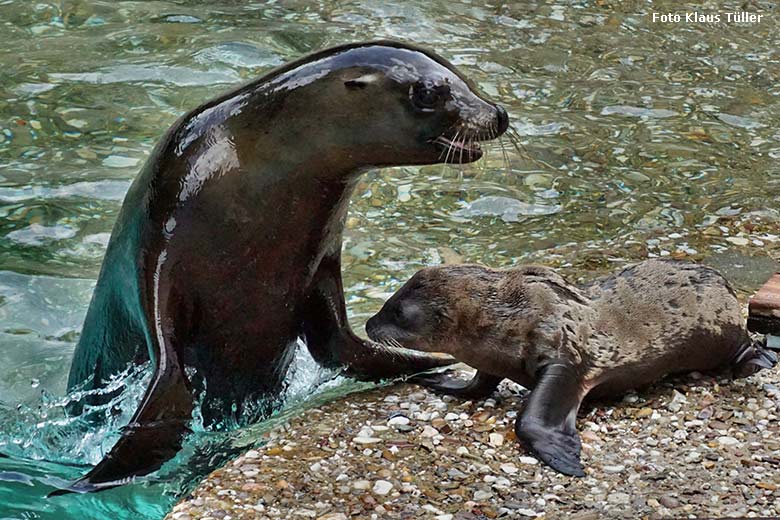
pixel 386 103
pixel 435 310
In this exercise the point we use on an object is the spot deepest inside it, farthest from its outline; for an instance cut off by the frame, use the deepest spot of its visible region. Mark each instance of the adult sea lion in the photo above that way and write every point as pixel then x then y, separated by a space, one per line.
pixel 227 247
pixel 531 326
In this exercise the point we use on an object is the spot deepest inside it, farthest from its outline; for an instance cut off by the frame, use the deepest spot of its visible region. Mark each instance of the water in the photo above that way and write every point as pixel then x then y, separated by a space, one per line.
pixel 636 139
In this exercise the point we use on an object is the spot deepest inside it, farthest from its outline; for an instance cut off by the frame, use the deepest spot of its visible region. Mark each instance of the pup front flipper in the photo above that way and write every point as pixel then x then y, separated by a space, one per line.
pixel 547 424
pixel 479 387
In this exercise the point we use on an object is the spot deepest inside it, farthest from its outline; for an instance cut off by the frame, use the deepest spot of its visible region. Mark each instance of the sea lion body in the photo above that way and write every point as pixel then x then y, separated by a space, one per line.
pixel 530 325
pixel 227 247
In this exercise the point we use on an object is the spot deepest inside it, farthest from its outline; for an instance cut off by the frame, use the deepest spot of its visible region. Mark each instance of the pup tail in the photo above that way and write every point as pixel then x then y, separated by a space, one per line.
pixel 752 356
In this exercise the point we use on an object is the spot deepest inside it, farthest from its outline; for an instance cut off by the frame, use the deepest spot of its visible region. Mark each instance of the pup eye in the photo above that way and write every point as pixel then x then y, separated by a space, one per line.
pixel 426 97
pixel 410 314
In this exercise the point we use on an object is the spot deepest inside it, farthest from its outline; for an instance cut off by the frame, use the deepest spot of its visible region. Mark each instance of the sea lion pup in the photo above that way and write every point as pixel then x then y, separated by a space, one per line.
pixel 227 248
pixel 531 326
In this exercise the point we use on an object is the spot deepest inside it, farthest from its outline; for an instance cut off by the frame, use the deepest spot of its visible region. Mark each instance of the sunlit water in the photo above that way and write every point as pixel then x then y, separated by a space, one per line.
pixel 633 139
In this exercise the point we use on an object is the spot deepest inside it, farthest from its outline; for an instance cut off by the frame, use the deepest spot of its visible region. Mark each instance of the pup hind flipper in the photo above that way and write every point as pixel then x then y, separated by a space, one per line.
pixel 752 356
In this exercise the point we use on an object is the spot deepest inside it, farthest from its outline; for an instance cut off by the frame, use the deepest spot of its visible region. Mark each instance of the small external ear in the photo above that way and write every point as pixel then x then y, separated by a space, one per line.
pixel 362 81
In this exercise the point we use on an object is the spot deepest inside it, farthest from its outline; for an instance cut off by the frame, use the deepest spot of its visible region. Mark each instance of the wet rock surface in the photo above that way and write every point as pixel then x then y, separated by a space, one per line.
pixel 691 446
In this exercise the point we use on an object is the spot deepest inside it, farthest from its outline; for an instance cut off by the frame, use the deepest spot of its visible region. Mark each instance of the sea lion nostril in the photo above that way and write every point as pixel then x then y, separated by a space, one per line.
pixel 502 118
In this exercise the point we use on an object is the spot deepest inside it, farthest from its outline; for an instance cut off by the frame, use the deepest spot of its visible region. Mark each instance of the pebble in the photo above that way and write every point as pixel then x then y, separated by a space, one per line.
pixel 510 469
pixel 668 501
pixel 614 469
pixel 677 402
pixel 429 431
pixel 118 161
pixel 382 487
pixel 481 495
pixel 726 440
pixel 366 440
pixel 618 498
pixel 644 412
pixel 738 241
pixel 496 439
pixel 456 474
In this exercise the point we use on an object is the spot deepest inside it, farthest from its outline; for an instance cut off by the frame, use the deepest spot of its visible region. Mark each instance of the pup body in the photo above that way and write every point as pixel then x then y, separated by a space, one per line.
pixel 530 325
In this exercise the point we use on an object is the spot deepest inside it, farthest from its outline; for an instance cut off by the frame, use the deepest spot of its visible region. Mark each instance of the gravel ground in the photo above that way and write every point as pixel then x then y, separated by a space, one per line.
pixel 692 446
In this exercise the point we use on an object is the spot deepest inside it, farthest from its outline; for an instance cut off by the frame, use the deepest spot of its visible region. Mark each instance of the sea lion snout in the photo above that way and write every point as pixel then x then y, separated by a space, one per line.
pixel 387 327
pixel 478 121
pixel 402 322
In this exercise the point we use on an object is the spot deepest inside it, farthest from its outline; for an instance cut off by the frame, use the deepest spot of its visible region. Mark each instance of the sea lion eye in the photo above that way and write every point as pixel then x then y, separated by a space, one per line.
pixel 426 97
pixel 410 315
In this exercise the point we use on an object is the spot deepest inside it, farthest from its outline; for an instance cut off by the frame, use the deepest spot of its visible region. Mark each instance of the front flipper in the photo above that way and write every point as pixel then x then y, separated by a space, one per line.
pixel 478 387
pixel 547 425
pixel 155 433
pixel 332 343
pixel 153 436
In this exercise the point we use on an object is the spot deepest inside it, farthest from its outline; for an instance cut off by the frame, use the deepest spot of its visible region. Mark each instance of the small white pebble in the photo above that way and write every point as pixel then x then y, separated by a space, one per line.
pixel 398 420
pixel 382 487
pixel 366 440
pixel 727 441
pixel 429 431
pixel 496 439
pixel 479 496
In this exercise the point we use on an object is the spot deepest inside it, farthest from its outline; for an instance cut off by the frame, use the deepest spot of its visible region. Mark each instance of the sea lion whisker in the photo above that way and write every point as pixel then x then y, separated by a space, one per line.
pixel 450 147
pixel 507 164
pixel 514 139
pixel 493 130
pixel 466 145
pixel 388 341
pixel 442 138
pixel 397 343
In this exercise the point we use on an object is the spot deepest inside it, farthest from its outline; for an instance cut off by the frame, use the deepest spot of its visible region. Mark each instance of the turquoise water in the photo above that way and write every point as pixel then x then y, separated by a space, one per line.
pixel 630 139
